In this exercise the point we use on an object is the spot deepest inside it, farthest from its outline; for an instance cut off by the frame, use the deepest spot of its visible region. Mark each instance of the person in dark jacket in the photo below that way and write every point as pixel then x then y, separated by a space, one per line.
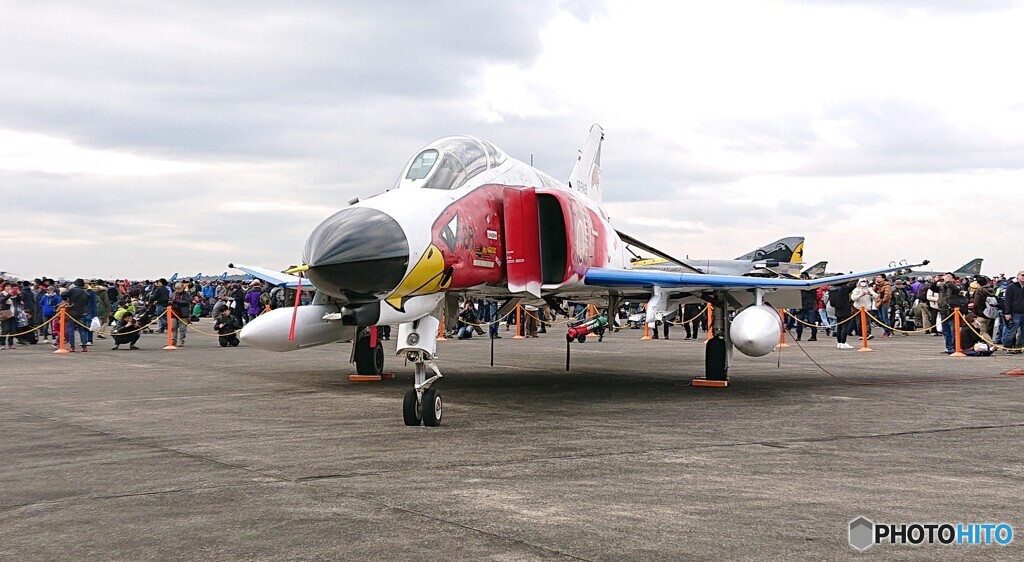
pixel 181 306
pixel 226 327
pixel 8 320
pixel 808 313
pixel 126 331
pixel 160 298
pixel 839 297
pixel 950 298
pixel 77 303
pixel 1013 313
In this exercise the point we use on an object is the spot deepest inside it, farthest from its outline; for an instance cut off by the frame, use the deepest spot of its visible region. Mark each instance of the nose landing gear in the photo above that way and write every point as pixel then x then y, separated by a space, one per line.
pixel 418 340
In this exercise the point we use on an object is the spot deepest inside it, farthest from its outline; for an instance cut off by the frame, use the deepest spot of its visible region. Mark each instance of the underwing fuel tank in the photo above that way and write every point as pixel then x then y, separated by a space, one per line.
pixel 755 331
pixel 270 330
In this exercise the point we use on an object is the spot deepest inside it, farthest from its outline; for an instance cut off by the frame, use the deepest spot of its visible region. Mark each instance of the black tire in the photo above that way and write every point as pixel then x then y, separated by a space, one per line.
pixel 432 408
pixel 369 361
pixel 581 338
pixel 410 409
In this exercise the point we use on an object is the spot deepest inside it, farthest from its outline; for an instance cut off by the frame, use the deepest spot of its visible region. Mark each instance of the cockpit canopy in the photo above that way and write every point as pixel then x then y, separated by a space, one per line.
pixel 450 162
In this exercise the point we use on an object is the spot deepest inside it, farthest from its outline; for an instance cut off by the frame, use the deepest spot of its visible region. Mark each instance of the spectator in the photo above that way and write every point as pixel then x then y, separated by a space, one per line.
pixel 821 302
pixel 1013 313
pixel 467 317
pixel 48 303
pixel 694 316
pixel 76 303
pixel 252 301
pixel 8 322
pixel 981 305
pixel 839 296
pixel 181 307
pixel 160 298
pixel 226 327
pixel 808 312
pixel 883 300
pixel 126 331
pixel 970 343
pixel 924 307
pixel 863 296
pixel 950 298
pixel 102 306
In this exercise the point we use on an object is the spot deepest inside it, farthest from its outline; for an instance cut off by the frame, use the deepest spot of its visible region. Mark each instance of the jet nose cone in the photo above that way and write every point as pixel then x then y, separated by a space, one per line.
pixel 357 253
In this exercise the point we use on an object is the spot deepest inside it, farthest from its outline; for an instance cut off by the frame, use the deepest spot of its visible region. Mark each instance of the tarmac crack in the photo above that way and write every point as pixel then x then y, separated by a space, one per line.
pixel 774 444
pixel 102 497
pixel 143 443
pixel 461 525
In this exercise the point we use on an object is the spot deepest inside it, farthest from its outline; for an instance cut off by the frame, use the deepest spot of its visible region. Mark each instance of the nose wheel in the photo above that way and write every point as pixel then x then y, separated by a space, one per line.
pixel 421 404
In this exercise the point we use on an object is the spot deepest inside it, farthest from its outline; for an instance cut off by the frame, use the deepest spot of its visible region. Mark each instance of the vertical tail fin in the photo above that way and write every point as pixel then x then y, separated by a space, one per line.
pixel 789 250
pixel 586 174
pixel 816 270
pixel 972 267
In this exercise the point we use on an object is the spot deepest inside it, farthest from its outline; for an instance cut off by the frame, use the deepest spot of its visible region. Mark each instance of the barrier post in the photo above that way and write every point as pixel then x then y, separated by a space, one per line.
pixel 440 330
pixel 864 330
pixel 61 348
pixel 519 323
pixel 782 334
pixel 711 318
pixel 170 329
pixel 959 352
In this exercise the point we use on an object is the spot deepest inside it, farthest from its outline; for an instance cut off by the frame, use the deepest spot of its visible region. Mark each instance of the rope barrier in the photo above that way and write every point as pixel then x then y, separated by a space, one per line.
pixel 191 325
pixel 819 326
pixel 30 330
pixel 894 329
pixel 984 338
pixel 139 329
pixel 893 383
pixel 700 313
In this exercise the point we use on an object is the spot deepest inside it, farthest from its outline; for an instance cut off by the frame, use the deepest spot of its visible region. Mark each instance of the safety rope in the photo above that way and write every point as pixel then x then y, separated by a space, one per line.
pixel 688 320
pixel 893 383
pixel 819 326
pixel 984 338
pixel 28 331
pixel 139 329
pixel 894 329
pixel 576 317
pixel 191 326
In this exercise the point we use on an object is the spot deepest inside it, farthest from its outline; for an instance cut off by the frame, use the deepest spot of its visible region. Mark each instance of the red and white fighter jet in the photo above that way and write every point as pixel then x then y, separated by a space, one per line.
pixel 465 219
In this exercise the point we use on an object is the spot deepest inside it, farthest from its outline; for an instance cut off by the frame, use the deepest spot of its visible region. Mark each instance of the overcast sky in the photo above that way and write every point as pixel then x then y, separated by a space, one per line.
pixel 140 139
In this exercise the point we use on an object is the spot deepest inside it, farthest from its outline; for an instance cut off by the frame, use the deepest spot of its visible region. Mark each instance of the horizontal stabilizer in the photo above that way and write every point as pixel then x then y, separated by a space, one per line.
pixel 273 277
pixel 634 242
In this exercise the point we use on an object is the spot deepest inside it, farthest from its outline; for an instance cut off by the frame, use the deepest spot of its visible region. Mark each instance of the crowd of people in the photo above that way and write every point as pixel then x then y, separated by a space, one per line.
pixel 992 311
pixel 30 310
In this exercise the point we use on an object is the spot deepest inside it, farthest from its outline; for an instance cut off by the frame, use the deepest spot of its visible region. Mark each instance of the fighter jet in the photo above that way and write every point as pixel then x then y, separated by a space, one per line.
pixel 969 269
pixel 781 258
pixel 465 219
pixel 815 271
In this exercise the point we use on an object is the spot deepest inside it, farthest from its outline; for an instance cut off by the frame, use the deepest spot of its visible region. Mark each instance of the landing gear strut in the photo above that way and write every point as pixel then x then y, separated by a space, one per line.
pixel 718 350
pixel 418 341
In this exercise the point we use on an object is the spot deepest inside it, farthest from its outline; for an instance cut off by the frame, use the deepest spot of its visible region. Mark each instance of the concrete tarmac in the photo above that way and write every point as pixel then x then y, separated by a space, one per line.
pixel 210 453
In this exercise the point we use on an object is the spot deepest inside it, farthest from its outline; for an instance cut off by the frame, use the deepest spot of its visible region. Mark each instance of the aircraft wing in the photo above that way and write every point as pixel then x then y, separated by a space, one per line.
pixel 273 277
pixel 634 242
pixel 642 279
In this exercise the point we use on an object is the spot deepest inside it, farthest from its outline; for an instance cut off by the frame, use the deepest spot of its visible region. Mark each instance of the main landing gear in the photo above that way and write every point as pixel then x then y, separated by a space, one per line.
pixel 718 350
pixel 368 352
pixel 418 340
